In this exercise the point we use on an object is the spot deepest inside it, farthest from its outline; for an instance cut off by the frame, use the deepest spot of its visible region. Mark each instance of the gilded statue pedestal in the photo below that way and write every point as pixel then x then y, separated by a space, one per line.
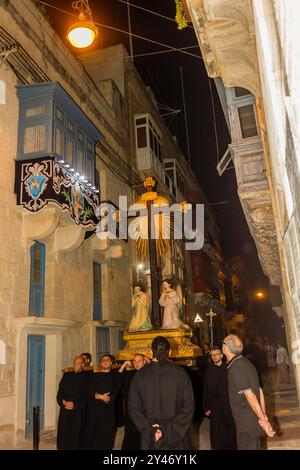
pixel 183 351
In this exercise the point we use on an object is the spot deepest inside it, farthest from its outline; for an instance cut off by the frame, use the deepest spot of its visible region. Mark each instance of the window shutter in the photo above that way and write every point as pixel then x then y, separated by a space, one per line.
pixel 37 280
pixel 97 292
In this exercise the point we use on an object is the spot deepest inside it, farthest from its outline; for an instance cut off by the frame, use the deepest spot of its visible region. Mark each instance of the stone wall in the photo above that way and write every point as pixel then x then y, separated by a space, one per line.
pixel 277 39
pixel 68 322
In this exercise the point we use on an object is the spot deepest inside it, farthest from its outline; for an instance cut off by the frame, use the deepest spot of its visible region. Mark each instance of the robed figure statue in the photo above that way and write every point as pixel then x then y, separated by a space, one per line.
pixel 140 320
pixel 171 302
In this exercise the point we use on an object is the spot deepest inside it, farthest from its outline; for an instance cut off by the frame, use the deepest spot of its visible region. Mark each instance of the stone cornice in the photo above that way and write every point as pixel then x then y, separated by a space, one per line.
pixel 45 324
pixel 225 30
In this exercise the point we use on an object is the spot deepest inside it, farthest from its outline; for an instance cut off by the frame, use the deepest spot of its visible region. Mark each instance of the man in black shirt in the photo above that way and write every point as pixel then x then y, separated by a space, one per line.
pixel 246 397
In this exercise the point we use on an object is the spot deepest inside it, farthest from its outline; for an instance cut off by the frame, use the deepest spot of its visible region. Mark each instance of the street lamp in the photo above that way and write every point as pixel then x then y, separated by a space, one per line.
pixel 260 294
pixel 84 32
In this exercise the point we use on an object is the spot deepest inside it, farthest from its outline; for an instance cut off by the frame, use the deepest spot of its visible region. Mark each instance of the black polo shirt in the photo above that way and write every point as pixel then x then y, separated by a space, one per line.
pixel 242 376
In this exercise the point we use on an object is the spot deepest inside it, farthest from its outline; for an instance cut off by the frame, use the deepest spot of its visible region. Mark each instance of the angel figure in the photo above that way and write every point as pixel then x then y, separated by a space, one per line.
pixel 172 304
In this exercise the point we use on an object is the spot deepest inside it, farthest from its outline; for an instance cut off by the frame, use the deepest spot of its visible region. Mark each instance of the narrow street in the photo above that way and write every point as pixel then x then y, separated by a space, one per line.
pixel 150 212
pixel 286 418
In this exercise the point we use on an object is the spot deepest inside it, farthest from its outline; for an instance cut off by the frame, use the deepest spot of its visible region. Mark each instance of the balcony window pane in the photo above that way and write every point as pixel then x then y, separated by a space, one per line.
pixel 140 121
pixel 80 160
pixel 159 151
pixel 170 173
pixel 239 91
pixel 80 137
pixel 141 137
pixel 36 111
pixel 89 168
pixel 151 140
pixel 59 114
pixel 59 141
pixel 247 121
pixel 70 151
pixel 34 139
pixel 70 126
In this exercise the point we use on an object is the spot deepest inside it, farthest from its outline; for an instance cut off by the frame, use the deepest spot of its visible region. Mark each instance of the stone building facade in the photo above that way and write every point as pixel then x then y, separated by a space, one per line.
pixel 64 137
pixel 251 48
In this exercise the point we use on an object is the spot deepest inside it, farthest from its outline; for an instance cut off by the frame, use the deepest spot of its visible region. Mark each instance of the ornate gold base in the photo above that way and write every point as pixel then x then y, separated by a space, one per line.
pixel 182 349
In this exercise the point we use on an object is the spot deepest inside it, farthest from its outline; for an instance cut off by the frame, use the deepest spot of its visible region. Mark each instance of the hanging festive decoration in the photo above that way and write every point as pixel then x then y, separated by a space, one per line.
pixel 180 15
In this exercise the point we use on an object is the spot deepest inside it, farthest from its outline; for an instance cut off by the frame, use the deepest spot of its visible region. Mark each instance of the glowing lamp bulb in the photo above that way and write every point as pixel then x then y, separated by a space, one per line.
pixel 82 34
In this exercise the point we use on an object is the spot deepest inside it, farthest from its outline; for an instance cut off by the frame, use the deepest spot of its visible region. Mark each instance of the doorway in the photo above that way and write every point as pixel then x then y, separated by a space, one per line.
pixel 35 380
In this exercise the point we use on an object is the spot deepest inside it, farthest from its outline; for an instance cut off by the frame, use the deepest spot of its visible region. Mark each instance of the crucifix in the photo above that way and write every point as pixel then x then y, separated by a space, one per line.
pixel 211 314
pixel 149 197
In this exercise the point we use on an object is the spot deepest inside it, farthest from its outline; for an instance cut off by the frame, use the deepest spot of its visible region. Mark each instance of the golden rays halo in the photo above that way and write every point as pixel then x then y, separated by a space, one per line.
pixel 163 226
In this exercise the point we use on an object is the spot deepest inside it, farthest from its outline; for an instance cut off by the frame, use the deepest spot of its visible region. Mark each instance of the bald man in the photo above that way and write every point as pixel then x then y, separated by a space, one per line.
pixel 246 397
pixel 72 397
pixel 132 438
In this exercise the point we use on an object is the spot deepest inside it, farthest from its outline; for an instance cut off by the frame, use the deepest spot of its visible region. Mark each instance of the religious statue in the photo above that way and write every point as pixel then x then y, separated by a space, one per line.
pixel 140 320
pixel 171 302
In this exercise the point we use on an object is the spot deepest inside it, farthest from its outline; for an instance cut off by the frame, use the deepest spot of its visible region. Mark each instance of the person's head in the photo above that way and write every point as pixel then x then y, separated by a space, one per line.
pixel 216 355
pixel 78 364
pixel 160 349
pixel 137 289
pixel 167 284
pixel 206 348
pixel 87 358
pixel 139 361
pixel 232 345
pixel 106 362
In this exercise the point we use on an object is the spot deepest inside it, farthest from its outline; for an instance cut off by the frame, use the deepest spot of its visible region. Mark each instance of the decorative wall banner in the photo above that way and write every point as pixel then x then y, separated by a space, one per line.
pixel 43 180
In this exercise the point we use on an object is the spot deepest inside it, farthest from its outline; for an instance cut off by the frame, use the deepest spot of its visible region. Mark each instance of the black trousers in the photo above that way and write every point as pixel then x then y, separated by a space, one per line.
pixel 248 440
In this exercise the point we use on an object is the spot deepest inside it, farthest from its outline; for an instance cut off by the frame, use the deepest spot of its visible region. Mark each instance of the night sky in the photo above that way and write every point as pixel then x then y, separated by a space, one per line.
pixel 162 73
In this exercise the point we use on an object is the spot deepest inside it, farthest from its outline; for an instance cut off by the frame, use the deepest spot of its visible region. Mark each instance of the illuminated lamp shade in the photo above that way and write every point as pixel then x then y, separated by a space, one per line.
pixel 82 34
